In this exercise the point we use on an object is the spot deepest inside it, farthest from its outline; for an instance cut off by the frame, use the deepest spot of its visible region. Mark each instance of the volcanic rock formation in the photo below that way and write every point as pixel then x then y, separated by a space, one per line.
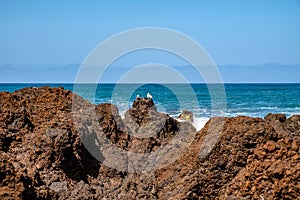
pixel 56 145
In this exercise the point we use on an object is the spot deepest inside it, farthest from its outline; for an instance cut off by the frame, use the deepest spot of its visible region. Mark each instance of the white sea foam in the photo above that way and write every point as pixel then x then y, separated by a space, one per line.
pixel 269 107
pixel 199 122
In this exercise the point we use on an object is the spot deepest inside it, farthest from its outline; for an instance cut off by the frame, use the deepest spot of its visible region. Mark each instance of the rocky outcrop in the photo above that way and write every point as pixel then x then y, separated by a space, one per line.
pixel 186 116
pixel 273 169
pixel 50 149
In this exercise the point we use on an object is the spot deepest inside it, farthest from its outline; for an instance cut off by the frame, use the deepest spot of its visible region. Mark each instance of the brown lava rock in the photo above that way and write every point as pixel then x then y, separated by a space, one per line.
pixel 50 149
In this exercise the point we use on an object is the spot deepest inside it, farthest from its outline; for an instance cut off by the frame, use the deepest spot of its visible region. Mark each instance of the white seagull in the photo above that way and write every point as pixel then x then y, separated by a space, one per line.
pixel 137 96
pixel 149 96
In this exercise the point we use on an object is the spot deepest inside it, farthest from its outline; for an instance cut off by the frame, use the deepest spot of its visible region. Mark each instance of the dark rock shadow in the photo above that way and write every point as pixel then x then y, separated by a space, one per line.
pixel 80 164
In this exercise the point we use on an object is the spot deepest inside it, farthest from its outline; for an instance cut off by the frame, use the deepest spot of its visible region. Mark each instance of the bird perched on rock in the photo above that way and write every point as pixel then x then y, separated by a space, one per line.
pixel 149 96
pixel 137 96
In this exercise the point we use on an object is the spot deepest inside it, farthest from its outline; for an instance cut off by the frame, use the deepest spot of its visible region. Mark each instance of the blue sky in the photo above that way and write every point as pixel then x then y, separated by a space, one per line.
pixel 35 35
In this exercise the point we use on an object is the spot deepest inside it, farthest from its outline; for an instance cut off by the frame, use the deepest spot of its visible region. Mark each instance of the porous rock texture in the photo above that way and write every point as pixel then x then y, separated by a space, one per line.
pixel 56 145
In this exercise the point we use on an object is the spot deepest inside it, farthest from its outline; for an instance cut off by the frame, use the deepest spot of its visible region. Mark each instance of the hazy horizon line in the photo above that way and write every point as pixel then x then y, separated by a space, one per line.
pixel 175 65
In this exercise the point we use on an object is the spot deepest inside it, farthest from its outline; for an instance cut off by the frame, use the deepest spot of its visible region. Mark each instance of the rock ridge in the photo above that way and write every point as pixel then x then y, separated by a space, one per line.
pixel 43 152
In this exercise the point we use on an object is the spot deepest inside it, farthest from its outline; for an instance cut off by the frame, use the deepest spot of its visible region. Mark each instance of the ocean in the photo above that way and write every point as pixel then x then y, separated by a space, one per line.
pixel 255 100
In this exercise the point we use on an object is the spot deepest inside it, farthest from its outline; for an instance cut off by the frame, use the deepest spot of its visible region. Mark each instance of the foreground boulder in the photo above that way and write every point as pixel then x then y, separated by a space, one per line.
pixel 47 153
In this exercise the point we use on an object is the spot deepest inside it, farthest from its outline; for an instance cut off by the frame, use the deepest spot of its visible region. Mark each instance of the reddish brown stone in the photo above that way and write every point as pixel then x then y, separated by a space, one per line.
pixel 43 156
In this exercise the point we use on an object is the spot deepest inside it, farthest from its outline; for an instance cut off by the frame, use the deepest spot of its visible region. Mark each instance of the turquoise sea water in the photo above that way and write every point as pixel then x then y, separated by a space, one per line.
pixel 256 100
